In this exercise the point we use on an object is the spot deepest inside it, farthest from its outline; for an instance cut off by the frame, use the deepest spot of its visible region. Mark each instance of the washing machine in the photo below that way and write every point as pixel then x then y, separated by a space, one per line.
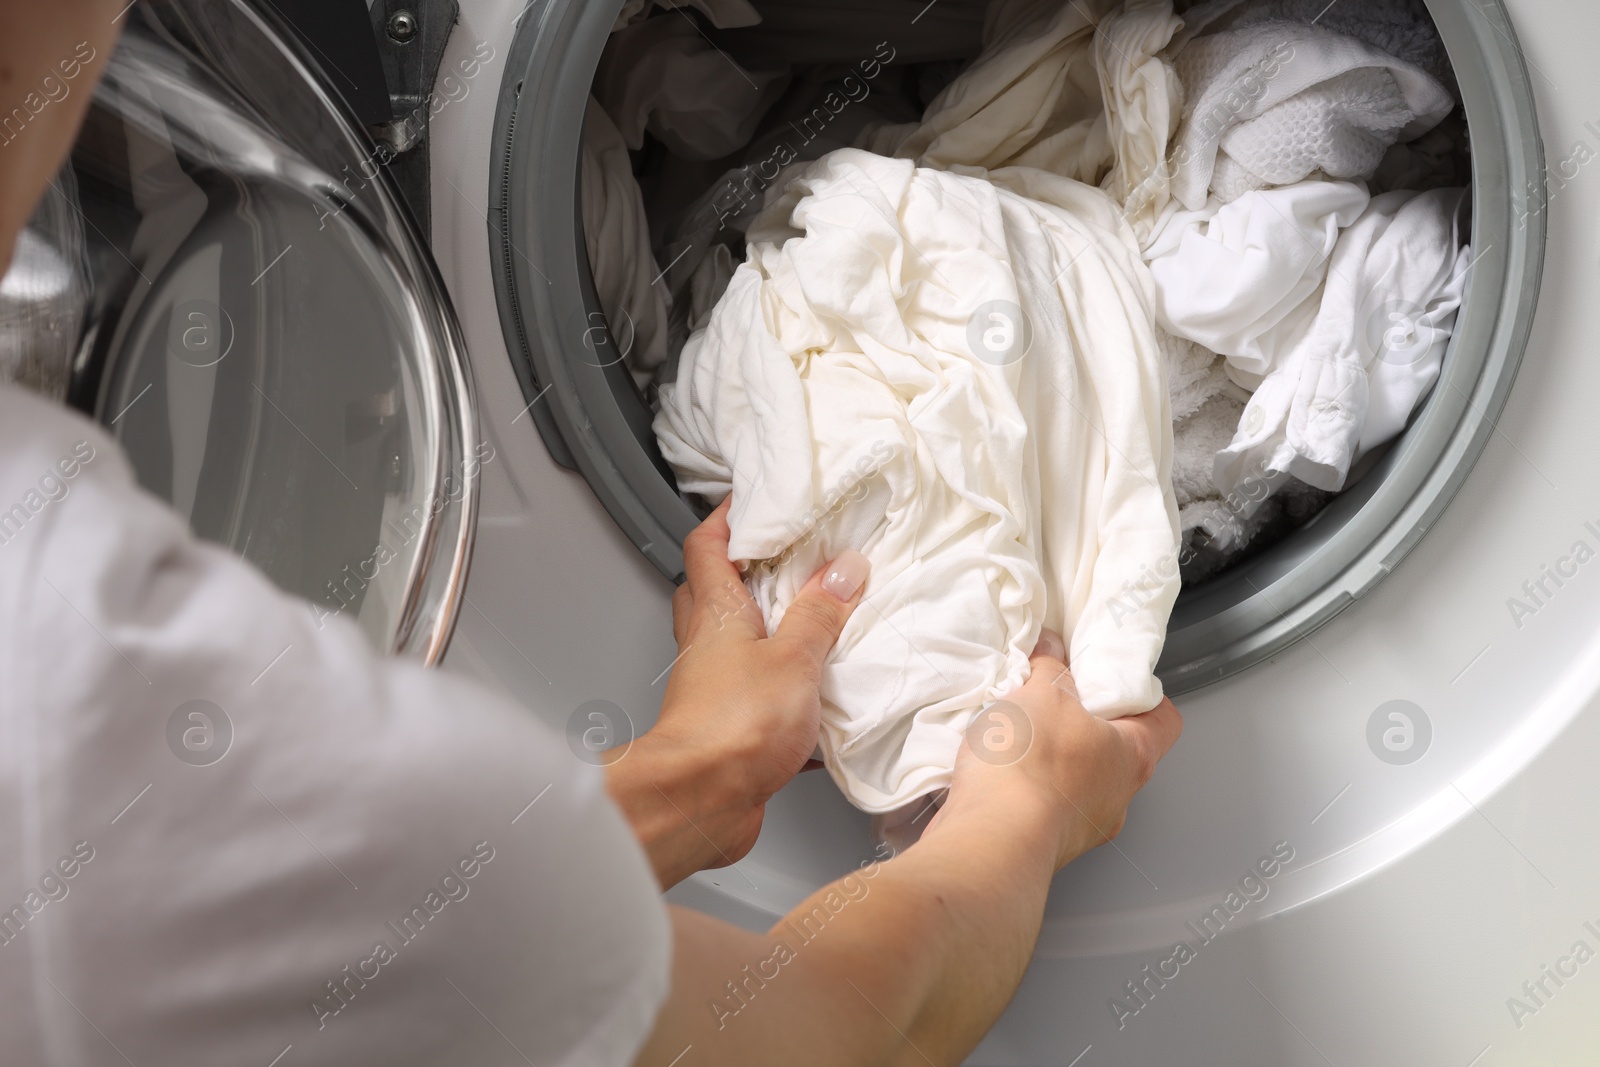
pixel 1376 842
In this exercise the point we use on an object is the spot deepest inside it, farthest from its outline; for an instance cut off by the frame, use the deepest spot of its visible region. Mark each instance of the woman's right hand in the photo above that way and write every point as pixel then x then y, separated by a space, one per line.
pixel 1037 756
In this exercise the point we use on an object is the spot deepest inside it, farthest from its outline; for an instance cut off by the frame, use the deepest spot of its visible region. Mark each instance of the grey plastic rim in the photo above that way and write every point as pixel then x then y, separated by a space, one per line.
pixel 556 333
pixel 595 424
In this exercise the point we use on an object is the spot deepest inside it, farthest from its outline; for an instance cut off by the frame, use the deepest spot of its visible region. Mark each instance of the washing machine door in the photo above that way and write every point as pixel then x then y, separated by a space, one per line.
pixel 263 330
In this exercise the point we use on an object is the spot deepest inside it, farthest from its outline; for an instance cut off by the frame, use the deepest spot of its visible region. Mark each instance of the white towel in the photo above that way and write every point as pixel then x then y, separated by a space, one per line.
pixel 1217 526
pixel 1195 374
pixel 663 75
pixel 1274 102
pixel 617 236
pixel 859 386
pixel 1400 28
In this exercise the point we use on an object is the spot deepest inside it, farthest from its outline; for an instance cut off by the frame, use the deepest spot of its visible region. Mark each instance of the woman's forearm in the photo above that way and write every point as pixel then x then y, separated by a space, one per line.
pixel 942 937
pixel 689 805
pixel 909 960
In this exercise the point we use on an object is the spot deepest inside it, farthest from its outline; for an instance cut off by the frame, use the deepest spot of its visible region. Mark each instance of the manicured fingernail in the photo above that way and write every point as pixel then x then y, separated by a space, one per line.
pixel 1050 644
pixel 846 574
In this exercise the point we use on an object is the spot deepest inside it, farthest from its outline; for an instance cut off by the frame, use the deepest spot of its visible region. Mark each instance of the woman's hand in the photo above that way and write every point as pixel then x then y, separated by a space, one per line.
pixel 1038 757
pixel 926 948
pixel 741 712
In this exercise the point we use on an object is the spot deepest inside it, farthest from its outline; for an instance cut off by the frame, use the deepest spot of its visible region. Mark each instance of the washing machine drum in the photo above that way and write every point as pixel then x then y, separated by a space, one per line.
pixel 595 422
pixel 222 279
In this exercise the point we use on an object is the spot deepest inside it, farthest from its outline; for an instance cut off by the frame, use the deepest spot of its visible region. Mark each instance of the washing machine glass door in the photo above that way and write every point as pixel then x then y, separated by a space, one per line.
pixel 265 332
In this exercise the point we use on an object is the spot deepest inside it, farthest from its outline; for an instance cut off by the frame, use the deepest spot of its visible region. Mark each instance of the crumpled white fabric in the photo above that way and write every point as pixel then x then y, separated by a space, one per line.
pixel 1082 89
pixel 1332 307
pixel 707 284
pixel 1236 277
pixel 617 236
pixel 1277 101
pixel 1143 101
pixel 1031 98
pixel 1087 81
pixel 724 14
pixel 1374 347
pixel 846 393
pixel 663 75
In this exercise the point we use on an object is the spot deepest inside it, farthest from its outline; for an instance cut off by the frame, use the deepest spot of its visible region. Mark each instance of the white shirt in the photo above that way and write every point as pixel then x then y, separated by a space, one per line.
pixel 355 877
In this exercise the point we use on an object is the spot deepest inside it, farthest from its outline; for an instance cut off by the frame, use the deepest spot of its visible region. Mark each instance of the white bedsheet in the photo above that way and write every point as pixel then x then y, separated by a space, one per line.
pixel 854 390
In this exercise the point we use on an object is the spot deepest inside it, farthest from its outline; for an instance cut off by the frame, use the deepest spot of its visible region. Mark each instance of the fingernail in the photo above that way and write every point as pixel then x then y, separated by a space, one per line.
pixel 1050 644
pixel 846 574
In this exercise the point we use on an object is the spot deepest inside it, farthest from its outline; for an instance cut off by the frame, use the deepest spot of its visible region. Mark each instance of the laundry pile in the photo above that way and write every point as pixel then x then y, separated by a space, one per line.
pixel 1330 307
pixel 845 391
pixel 1125 294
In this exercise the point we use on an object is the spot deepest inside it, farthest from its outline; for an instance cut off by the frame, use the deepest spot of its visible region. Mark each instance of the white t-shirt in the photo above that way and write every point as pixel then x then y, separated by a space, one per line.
pixel 340 867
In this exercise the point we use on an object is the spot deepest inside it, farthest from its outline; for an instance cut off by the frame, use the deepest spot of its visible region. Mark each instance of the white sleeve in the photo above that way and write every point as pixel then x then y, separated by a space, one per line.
pixel 347 860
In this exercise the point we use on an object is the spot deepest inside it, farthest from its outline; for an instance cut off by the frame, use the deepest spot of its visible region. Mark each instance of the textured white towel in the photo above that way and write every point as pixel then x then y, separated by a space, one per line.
pixel 1206 408
pixel 617 236
pixel 1400 28
pixel 859 386
pixel 1274 102
pixel 663 75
